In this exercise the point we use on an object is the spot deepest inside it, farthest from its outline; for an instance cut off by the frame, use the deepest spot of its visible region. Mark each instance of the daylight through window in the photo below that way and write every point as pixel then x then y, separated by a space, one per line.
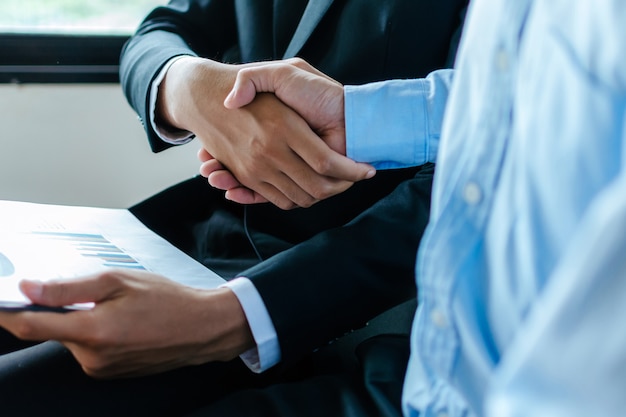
pixel 85 17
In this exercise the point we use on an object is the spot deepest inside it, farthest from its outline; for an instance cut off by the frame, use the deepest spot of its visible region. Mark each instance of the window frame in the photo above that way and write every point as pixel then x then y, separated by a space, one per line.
pixel 60 58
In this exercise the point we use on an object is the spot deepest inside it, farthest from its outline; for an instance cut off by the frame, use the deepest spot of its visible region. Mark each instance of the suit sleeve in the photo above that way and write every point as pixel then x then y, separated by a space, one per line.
pixel 183 27
pixel 343 277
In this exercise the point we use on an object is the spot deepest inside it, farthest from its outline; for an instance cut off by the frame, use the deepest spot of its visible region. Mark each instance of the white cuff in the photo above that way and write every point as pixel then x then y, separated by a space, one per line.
pixel 173 137
pixel 267 352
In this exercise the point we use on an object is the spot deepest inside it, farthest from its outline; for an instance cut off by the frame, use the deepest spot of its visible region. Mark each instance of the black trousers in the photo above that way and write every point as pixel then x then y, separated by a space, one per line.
pixel 44 379
pixel 359 375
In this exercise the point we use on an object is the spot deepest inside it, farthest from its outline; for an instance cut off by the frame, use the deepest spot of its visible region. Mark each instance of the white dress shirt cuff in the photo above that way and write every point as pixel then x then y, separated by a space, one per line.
pixel 267 352
pixel 174 137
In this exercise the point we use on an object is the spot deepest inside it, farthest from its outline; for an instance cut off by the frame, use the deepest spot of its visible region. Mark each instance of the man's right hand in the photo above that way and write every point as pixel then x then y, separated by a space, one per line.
pixel 266 145
pixel 141 323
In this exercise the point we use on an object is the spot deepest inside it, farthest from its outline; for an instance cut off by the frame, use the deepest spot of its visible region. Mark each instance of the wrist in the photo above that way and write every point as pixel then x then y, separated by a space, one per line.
pixel 192 87
pixel 222 325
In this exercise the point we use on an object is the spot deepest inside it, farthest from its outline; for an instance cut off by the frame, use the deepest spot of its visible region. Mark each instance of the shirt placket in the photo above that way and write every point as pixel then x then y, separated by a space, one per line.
pixel 458 233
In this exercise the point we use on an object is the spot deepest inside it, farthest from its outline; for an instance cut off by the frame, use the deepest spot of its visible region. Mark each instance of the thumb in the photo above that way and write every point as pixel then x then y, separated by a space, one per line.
pixel 243 92
pixel 58 293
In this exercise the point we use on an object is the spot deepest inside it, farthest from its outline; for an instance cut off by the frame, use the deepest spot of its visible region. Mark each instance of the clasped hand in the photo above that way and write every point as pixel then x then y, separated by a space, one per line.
pixel 284 160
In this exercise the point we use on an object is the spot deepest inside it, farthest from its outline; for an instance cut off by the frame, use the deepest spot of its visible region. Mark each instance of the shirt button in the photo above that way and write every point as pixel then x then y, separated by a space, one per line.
pixel 438 318
pixel 502 60
pixel 472 193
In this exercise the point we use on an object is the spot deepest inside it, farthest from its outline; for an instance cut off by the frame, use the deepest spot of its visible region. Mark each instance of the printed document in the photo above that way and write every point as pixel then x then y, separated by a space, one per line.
pixel 43 242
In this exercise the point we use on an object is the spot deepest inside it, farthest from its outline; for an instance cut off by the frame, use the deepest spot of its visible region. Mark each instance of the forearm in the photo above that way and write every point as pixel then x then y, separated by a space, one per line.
pixel 192 88
pixel 190 28
pixel 141 62
pixel 226 331
pixel 342 278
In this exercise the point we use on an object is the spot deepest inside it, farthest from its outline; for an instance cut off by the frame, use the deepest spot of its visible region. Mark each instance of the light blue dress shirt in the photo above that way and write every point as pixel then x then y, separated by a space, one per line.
pixel 522 270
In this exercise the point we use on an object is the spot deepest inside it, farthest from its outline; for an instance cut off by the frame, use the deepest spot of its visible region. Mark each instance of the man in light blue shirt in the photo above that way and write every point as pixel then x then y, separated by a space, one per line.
pixel 522 271
pixel 521 274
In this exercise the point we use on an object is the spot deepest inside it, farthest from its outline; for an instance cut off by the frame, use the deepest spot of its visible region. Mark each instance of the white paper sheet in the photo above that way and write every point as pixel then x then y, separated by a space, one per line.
pixel 42 241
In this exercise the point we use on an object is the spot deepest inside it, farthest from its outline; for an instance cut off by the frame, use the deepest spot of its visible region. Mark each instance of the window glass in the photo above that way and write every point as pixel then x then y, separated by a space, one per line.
pixel 102 17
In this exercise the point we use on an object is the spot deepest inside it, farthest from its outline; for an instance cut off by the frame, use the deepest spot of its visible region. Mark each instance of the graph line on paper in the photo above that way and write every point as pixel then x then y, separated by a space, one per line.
pixel 96 246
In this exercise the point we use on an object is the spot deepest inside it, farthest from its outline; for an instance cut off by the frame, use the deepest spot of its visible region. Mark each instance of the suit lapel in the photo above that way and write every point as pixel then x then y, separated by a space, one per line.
pixel 287 15
pixel 312 15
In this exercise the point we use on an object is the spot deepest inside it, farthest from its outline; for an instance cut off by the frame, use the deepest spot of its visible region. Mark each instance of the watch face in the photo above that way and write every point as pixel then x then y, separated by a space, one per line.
pixel 6 266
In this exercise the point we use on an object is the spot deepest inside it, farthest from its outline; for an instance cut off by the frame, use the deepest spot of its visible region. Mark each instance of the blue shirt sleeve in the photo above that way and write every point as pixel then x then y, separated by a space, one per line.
pixel 396 123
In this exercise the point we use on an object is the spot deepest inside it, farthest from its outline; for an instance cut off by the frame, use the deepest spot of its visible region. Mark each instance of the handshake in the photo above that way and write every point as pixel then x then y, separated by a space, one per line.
pixel 278 137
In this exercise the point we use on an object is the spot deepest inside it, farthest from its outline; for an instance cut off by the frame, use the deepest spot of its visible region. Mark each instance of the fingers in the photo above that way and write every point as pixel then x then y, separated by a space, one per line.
pixel 312 173
pixel 41 326
pixel 223 180
pixel 66 292
pixel 210 166
pixel 220 178
pixel 283 192
pixel 323 175
pixel 244 90
pixel 283 177
pixel 270 77
pixel 204 155
pixel 264 79
pixel 243 195
pixel 328 163
pixel 44 325
pixel 300 185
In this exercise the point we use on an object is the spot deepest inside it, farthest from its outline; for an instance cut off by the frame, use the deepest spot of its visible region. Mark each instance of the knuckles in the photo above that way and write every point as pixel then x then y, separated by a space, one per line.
pixel 97 366
pixel 25 330
pixel 97 338
pixel 282 202
pixel 298 62
pixel 322 166
pixel 110 279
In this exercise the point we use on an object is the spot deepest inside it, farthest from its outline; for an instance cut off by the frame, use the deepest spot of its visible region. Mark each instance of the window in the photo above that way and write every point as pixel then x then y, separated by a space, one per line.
pixel 66 40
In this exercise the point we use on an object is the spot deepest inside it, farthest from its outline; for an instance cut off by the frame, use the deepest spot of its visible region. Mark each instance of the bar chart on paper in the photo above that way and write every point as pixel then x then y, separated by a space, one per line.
pixel 94 247
pixel 43 242
pixel 47 255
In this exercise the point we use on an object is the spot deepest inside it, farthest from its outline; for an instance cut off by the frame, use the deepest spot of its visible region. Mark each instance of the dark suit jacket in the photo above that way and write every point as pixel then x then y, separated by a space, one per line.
pixel 343 269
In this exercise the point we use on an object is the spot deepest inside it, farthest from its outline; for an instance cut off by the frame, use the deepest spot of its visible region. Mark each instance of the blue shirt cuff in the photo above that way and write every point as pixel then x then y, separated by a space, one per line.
pixel 396 123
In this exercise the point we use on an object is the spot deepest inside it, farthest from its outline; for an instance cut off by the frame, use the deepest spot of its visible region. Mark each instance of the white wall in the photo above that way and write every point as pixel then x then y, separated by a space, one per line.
pixel 80 145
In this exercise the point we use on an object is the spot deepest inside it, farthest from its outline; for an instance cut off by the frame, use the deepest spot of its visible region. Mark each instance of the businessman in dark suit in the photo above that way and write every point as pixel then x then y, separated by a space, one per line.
pixel 352 41
pixel 320 271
